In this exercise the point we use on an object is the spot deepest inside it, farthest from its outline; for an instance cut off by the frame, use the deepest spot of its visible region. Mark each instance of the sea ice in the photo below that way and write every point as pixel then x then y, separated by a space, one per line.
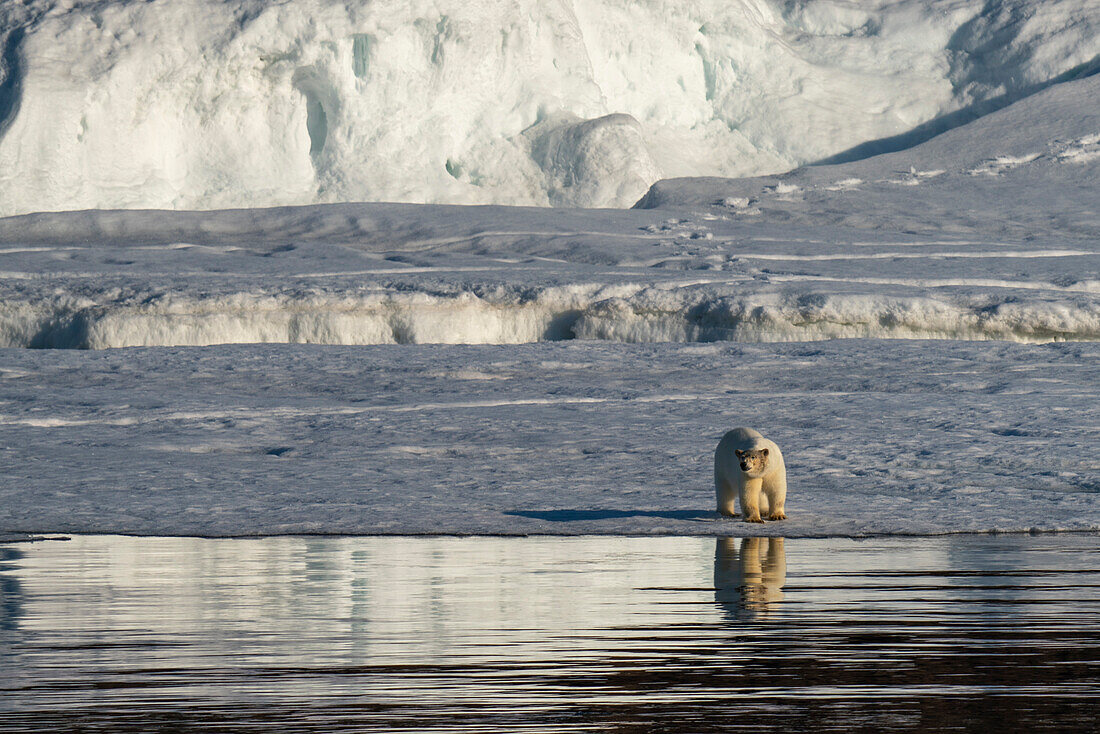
pixel 909 437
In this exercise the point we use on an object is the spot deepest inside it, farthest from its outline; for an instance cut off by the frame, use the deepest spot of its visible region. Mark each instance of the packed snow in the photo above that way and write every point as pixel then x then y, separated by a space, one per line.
pixel 204 104
pixel 909 437
pixel 918 330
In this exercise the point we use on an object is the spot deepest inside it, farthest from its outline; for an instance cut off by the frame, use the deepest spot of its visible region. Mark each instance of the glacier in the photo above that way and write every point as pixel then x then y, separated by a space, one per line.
pixel 208 104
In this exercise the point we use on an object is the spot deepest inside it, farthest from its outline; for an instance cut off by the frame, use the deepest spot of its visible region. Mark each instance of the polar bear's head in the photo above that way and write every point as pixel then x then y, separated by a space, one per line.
pixel 754 462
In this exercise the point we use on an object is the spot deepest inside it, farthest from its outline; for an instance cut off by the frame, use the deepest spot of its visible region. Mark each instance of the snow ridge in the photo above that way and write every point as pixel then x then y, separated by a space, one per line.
pixel 626 312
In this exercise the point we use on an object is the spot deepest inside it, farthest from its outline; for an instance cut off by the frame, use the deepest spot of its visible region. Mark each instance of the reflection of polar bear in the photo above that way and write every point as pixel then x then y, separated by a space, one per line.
pixel 744 464
pixel 750 579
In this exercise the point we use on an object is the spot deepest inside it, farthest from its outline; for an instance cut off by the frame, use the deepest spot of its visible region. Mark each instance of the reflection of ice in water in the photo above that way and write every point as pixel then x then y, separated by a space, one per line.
pixel 749 575
pixel 10 597
pixel 563 634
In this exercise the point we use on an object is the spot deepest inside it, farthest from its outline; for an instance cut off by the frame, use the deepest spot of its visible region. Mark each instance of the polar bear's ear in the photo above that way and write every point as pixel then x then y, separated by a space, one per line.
pixel 764 452
pixel 738 453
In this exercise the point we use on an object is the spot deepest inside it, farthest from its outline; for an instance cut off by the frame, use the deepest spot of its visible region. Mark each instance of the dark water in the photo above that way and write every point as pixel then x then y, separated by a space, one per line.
pixel 959 633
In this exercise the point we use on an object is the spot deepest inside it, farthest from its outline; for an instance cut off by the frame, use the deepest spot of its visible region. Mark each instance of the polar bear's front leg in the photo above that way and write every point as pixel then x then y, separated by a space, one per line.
pixel 750 499
pixel 775 489
pixel 727 497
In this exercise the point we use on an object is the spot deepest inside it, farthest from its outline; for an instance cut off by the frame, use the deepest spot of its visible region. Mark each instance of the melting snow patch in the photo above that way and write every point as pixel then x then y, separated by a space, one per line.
pixel 998 165
pixel 1085 150
pixel 847 184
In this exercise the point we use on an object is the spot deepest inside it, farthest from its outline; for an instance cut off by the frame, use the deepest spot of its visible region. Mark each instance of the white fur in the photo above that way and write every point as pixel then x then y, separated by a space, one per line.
pixel 756 491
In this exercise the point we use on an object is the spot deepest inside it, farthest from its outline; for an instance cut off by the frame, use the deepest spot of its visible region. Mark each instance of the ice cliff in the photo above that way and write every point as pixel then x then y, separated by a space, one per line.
pixel 245 103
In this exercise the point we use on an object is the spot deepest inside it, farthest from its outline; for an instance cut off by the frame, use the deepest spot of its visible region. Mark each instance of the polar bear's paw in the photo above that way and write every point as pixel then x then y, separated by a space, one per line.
pixel 754 518
pixel 778 516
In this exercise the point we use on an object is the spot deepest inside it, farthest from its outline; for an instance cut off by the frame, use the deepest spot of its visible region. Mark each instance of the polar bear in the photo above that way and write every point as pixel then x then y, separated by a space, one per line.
pixel 744 464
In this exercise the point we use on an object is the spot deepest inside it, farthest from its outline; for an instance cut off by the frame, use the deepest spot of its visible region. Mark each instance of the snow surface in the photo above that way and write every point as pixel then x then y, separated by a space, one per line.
pixel 1027 171
pixel 559 438
pixel 202 104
